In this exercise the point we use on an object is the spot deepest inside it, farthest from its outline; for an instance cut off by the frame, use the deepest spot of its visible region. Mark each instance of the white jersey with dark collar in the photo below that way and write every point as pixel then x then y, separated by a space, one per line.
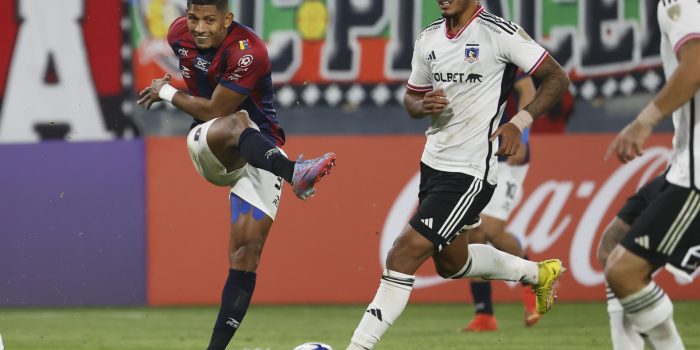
pixel 680 22
pixel 476 68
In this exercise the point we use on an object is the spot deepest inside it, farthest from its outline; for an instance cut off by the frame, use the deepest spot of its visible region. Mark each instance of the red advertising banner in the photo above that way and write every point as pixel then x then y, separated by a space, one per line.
pixel 330 249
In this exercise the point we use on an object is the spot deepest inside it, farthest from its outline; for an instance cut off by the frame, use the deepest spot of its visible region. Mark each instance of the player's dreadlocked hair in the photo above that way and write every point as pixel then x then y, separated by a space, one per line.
pixel 220 4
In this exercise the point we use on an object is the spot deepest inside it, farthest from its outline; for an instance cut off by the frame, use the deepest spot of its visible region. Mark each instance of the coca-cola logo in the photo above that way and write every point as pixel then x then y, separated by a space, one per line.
pixel 541 220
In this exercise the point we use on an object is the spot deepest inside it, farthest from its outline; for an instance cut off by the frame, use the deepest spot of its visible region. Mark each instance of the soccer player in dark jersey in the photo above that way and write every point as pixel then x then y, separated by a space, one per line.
pixel 668 233
pixel 235 138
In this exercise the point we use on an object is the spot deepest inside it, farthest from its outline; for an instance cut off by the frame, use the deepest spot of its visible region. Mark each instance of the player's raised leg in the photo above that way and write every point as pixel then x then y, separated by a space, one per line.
pixel 486 262
pixel 235 139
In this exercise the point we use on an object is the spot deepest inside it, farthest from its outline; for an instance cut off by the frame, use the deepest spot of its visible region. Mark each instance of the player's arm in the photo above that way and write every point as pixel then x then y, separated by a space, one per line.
pixel 554 81
pixel 420 105
pixel 223 101
pixel 525 88
pixel 682 85
pixel 679 89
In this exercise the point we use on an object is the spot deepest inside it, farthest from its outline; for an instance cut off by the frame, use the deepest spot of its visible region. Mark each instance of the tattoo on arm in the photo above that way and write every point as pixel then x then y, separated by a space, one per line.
pixel 554 81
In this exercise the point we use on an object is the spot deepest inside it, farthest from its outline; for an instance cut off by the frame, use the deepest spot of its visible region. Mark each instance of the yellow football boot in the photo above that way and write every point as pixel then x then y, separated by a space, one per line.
pixel 546 293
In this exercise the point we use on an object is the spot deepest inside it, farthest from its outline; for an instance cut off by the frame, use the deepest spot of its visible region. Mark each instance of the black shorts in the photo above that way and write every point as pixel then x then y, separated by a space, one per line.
pixel 448 202
pixel 636 204
pixel 668 231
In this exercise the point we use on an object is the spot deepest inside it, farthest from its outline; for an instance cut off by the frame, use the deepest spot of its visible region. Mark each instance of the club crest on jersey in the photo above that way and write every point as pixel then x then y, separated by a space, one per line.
pixel 244 44
pixel 471 53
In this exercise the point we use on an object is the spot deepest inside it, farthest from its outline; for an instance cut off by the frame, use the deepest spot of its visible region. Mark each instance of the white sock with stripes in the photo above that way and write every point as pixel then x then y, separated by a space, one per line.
pixel 389 302
pixel 651 312
pixel 490 263
pixel 622 334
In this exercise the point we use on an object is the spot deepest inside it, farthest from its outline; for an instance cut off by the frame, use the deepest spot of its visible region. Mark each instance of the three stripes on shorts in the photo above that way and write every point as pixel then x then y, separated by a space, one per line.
pixel 680 225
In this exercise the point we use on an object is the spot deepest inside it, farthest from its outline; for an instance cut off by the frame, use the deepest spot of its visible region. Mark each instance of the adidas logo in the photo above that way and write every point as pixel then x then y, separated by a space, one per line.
pixel 432 56
pixel 233 323
pixel 376 313
pixel 428 222
pixel 642 241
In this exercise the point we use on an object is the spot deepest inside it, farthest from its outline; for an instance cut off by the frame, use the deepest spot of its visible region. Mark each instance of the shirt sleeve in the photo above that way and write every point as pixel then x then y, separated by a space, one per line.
pixel 517 47
pixel 420 79
pixel 245 65
pixel 682 22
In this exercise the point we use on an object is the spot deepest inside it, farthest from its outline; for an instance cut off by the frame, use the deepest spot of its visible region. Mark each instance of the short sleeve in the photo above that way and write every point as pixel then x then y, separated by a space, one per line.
pixel 246 62
pixel 680 22
pixel 420 79
pixel 517 47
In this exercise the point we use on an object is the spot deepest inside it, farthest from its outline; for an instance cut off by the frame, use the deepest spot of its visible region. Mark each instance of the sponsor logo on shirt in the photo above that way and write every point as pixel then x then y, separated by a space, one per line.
pixel 185 72
pixel 183 52
pixel 458 77
pixel 233 77
pixel 202 64
pixel 245 61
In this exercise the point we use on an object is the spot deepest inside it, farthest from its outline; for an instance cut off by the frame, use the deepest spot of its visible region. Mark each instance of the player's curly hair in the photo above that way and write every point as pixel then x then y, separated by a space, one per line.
pixel 220 4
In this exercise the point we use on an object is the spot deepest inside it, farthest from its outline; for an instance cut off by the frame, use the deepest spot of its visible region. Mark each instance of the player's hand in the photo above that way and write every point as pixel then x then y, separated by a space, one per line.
pixel 510 139
pixel 149 95
pixel 434 102
pixel 520 157
pixel 628 143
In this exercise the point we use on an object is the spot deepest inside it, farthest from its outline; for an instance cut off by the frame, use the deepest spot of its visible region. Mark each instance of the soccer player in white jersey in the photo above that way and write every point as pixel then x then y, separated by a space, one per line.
pixel 668 232
pixel 463 69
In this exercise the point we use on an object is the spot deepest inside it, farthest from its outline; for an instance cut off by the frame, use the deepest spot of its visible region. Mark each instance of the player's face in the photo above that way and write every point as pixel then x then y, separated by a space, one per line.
pixel 453 8
pixel 208 25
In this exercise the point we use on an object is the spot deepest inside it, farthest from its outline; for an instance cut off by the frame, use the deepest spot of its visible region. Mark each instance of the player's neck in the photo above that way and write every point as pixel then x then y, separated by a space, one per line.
pixel 458 21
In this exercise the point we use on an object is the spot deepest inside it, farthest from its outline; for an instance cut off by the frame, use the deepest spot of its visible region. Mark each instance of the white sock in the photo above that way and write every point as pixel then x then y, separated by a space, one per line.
pixel 490 263
pixel 389 302
pixel 622 333
pixel 651 312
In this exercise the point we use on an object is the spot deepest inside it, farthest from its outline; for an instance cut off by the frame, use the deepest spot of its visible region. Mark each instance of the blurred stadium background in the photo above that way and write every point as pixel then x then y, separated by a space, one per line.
pixel 100 206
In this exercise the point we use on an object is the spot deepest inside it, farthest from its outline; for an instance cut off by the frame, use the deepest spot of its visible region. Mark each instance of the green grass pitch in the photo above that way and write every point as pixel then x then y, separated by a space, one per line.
pixel 567 326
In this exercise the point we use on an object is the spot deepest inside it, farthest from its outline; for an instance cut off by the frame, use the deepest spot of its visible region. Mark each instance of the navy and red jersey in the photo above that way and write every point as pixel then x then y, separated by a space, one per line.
pixel 241 64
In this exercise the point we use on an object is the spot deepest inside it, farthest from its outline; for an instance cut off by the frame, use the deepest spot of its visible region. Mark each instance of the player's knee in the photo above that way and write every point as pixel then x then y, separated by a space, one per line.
pixel 445 271
pixel 477 236
pixel 231 126
pixel 616 271
pixel 408 252
pixel 246 256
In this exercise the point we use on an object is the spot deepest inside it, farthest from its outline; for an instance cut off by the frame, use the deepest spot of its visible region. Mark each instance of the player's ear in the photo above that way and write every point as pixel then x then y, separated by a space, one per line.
pixel 228 20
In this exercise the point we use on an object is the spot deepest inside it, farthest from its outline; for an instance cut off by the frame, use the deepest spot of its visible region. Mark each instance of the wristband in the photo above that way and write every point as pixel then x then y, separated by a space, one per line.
pixel 650 115
pixel 522 120
pixel 167 92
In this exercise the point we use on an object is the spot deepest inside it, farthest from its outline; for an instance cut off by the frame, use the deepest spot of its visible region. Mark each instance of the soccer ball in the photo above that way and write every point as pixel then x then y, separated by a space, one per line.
pixel 313 346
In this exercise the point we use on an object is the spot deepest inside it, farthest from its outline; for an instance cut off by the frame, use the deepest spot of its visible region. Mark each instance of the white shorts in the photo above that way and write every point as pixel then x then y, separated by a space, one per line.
pixel 260 188
pixel 508 192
